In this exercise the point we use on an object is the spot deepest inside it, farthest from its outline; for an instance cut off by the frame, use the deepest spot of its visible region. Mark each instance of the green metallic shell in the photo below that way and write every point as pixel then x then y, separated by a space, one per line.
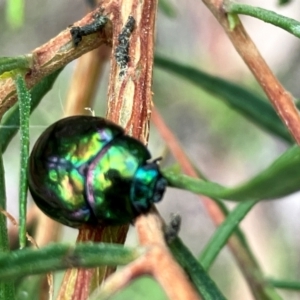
pixel 110 177
pixel 82 171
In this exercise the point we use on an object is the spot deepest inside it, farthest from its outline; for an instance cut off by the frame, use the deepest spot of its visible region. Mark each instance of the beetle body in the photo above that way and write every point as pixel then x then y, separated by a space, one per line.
pixel 85 170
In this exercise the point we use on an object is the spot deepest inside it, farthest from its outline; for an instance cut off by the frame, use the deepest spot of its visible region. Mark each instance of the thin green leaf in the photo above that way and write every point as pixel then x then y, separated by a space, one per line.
pixel 248 264
pixel 265 15
pixel 250 105
pixel 203 283
pixel 285 284
pixel 223 232
pixel 281 178
pixel 3 228
pixel 24 98
pixel 261 289
pixel 255 278
pixel 6 289
pixel 8 64
pixel 62 256
pixel 11 121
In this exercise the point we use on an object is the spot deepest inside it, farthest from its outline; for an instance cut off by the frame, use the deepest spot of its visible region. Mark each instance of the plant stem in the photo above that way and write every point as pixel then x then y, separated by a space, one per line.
pixel 285 284
pixel 6 289
pixel 265 15
pixel 203 283
pixel 281 99
pixel 24 105
pixel 54 55
pixel 10 123
pixel 62 256
pixel 223 232
pixel 3 227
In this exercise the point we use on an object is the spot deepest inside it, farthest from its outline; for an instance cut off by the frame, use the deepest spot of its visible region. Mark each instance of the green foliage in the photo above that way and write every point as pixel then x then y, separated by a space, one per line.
pixel 24 105
pixel 14 64
pixel 6 289
pixel 238 98
pixel 63 256
pixel 288 24
pixel 204 284
pixel 10 123
pixel 280 179
pixel 222 234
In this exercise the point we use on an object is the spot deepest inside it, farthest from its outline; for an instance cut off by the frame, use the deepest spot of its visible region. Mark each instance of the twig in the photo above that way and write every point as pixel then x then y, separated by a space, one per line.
pixel 83 85
pixel 157 262
pixel 85 81
pixel 278 96
pixel 79 283
pixel 53 55
pixel 130 102
pixel 129 96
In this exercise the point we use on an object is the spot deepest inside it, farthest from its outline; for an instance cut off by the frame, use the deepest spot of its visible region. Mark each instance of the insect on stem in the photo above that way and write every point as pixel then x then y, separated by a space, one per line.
pixel 122 50
pixel 78 32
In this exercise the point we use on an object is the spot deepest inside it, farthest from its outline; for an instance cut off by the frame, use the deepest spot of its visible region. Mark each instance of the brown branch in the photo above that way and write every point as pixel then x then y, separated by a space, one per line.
pixel 186 166
pixel 129 105
pixel 53 55
pixel 82 88
pixel 157 261
pixel 134 88
pixel 129 96
pixel 85 81
pixel 281 99
pixel 79 283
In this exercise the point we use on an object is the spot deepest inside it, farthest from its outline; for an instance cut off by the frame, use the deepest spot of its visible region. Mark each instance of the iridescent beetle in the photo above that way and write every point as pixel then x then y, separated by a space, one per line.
pixel 85 170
